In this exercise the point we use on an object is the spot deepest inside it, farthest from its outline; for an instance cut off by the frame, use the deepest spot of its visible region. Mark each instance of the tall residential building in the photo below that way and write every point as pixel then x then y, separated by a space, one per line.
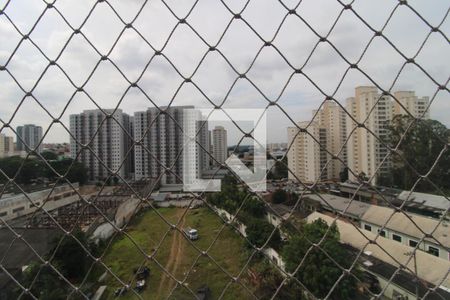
pixel 29 137
pixel 364 150
pixel 110 139
pixel 160 141
pixel 416 106
pixel 220 145
pixel 6 145
pixel 332 117
pixel 306 157
pixel 311 156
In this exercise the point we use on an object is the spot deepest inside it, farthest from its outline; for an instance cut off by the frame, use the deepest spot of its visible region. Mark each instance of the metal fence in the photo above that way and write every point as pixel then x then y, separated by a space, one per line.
pixel 232 15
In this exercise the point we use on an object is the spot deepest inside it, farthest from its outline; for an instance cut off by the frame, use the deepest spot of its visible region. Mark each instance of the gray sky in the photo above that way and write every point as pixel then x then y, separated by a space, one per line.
pixel 214 77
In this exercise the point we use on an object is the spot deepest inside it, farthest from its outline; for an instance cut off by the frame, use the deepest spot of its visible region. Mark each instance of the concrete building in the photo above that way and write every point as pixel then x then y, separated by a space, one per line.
pixel 332 117
pixel 364 151
pixel 29 137
pixel 14 206
pixel 414 105
pixel 374 110
pixel 109 140
pixel 309 157
pixel 352 210
pixel 160 144
pixel 306 158
pixel 6 145
pixel 409 229
pixel 429 268
pixel 220 145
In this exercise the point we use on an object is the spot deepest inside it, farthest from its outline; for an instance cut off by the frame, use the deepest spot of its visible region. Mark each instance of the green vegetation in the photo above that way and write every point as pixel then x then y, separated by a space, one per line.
pixel 177 255
pixel 420 148
pixel 279 196
pixel 35 168
pixel 279 170
pixel 259 231
pixel 70 259
pixel 318 272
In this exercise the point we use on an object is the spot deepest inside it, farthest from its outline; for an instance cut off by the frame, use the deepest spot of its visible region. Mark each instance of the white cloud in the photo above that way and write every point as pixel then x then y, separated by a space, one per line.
pixel 214 76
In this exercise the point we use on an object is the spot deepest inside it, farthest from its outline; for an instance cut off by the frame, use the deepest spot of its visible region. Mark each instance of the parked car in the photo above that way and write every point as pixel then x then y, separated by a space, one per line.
pixel 191 233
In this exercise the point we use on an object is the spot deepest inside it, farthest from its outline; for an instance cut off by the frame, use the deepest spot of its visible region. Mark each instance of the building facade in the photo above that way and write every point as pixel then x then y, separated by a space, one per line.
pixel 160 139
pixel 29 138
pixel 417 107
pixel 365 153
pixel 6 145
pixel 220 145
pixel 108 136
pixel 310 157
pixel 409 229
pixel 331 117
pixel 306 155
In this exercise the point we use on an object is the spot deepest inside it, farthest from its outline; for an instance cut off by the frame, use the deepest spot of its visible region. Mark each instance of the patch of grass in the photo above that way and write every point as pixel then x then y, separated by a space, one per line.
pixel 225 257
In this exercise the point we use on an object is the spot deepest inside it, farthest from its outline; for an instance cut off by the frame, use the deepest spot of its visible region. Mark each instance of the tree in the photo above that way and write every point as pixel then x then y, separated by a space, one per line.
pixel 9 166
pixel 49 155
pixel 343 175
pixel 422 142
pixel 48 284
pixel 34 168
pixel 270 280
pixel 254 208
pixel 279 170
pixel 259 231
pixel 70 259
pixel 31 169
pixel 279 196
pixel 318 272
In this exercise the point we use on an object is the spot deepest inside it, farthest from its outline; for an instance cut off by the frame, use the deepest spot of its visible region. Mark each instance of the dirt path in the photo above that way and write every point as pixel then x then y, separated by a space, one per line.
pixel 173 260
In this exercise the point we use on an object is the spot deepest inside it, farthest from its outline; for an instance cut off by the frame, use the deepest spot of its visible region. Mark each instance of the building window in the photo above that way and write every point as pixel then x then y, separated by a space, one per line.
pixel 368 227
pixel 433 251
pixel 382 233
pixel 413 243
pixel 397 238
pixel 3 213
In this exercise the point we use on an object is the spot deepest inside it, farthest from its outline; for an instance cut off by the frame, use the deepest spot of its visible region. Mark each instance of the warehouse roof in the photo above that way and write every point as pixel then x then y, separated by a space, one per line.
pixel 430 268
pixel 331 202
pixel 409 224
pixel 425 200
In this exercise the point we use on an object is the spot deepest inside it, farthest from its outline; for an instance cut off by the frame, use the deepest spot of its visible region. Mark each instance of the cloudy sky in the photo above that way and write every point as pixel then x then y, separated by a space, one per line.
pixel 161 82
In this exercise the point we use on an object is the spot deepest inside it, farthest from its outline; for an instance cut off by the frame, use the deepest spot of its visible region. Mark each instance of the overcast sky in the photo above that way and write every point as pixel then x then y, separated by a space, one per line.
pixel 214 77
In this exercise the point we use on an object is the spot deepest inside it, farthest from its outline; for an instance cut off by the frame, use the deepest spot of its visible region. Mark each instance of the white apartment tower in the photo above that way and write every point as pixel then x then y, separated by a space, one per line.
pixel 364 150
pixel 332 118
pixel 306 155
pixel 6 145
pixel 108 134
pixel 160 140
pixel 220 145
pixel 417 107
pixel 29 137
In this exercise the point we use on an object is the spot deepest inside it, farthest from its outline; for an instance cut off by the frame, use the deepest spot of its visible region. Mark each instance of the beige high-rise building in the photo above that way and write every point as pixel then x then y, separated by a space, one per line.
pixel 364 150
pixel 306 158
pixel 415 106
pixel 220 144
pixel 6 145
pixel 332 117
